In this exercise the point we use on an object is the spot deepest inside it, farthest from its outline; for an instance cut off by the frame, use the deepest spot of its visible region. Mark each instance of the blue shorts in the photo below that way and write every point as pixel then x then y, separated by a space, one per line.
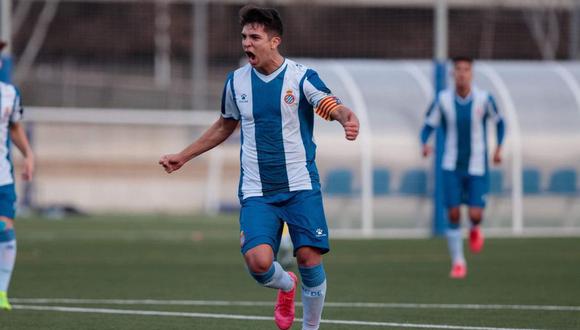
pixel 8 201
pixel 262 219
pixel 462 188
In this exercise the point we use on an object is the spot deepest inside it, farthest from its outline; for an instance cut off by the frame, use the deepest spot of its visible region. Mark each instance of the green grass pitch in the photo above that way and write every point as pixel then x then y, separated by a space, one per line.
pixel 197 259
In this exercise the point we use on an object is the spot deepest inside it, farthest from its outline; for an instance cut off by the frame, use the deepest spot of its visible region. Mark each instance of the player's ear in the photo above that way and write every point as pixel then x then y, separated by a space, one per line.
pixel 275 41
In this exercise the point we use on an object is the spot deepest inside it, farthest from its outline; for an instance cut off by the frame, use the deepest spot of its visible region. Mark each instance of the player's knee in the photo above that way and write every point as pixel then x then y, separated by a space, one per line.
pixel 6 229
pixel 258 262
pixel 6 223
pixel 259 265
pixel 454 215
pixel 454 218
pixel 308 256
pixel 475 215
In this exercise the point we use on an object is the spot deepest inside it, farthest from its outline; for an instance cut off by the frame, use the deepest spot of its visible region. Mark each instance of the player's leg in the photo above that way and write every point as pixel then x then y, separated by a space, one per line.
pixel 313 279
pixel 266 271
pixel 477 193
pixel 453 188
pixel 7 258
pixel 261 229
pixel 309 232
pixel 7 241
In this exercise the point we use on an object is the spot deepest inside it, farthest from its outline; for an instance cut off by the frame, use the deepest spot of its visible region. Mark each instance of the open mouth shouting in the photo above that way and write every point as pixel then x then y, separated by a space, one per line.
pixel 252 58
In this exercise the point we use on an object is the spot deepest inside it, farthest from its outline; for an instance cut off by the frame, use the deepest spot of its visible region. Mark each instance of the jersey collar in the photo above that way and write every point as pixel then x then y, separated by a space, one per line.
pixel 271 76
pixel 464 100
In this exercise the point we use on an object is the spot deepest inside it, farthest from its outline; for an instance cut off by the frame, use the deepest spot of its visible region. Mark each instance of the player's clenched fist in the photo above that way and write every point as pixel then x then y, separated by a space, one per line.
pixel 351 127
pixel 348 120
pixel 171 162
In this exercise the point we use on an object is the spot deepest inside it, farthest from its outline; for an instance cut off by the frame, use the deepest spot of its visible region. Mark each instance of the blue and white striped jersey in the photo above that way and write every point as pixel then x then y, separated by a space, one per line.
pixel 464 123
pixel 277 121
pixel 11 111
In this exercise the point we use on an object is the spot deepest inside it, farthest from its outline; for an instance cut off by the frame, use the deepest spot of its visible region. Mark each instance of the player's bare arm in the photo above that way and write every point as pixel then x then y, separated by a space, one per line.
pixel 427 149
pixel 213 137
pixel 348 120
pixel 497 156
pixel 18 136
pixel 428 128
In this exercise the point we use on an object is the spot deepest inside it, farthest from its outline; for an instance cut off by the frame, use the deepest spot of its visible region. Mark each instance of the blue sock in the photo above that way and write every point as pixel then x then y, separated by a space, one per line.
pixel 7 257
pixel 455 244
pixel 275 278
pixel 313 294
pixel 7 235
pixel 264 278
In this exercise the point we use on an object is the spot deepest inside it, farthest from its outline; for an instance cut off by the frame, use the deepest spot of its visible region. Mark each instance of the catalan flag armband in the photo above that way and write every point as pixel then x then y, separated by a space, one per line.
pixel 326 106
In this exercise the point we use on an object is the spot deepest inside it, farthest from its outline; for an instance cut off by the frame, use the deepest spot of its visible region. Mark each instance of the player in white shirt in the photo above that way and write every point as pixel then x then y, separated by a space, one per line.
pixel 11 131
pixel 274 100
pixel 463 111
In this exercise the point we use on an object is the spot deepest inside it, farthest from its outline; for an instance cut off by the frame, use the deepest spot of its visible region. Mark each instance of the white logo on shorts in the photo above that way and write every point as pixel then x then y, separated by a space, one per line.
pixel 320 232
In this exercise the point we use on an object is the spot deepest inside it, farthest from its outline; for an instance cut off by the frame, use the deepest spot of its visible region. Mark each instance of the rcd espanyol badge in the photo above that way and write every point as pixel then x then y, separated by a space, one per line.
pixel 289 98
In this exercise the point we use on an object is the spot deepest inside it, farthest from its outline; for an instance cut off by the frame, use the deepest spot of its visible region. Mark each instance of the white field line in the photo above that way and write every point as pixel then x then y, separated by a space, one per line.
pixel 246 317
pixel 159 302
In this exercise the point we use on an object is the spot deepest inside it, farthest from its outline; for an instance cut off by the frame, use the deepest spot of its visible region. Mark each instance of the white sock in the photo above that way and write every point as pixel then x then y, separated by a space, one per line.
pixel 280 279
pixel 7 258
pixel 313 303
pixel 455 244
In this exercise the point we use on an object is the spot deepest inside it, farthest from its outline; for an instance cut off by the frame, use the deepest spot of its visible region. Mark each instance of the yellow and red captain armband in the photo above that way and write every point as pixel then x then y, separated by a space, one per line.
pixel 326 106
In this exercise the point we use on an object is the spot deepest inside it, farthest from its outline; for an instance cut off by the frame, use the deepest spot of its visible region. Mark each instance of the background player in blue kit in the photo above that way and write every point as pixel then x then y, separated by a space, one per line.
pixel 463 111
pixel 10 131
pixel 274 100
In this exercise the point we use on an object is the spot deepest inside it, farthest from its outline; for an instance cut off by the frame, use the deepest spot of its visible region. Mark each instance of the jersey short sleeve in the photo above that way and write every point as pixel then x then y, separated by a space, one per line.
pixel 433 115
pixel 319 96
pixel 314 88
pixel 17 109
pixel 492 110
pixel 229 108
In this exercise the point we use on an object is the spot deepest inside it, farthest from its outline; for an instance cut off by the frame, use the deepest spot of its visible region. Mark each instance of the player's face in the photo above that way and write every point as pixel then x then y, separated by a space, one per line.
pixel 259 47
pixel 463 74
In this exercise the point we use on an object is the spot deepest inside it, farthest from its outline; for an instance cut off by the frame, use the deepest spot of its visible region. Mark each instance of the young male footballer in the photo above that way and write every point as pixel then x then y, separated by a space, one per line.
pixel 274 100
pixel 463 111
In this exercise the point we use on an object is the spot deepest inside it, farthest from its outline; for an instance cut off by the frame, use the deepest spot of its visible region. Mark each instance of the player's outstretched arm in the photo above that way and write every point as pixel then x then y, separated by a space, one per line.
pixel 425 133
pixel 18 136
pixel 348 120
pixel 215 135
pixel 432 119
pixel 497 155
pixel 427 150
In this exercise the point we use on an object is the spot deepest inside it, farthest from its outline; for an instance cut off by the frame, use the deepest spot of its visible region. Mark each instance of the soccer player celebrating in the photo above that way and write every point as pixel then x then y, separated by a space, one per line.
pixel 275 99
pixel 462 111
pixel 10 130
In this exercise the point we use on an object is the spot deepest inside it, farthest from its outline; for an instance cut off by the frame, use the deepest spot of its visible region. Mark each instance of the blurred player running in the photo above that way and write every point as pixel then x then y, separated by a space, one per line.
pixel 463 111
pixel 275 99
pixel 10 131
pixel 286 252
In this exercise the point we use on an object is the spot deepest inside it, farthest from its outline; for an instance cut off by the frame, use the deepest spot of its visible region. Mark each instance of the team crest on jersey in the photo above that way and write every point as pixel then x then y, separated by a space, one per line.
pixel 289 98
pixel 479 112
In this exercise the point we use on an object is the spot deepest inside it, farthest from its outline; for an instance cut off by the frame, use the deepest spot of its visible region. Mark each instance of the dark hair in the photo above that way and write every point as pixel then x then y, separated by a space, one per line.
pixel 268 17
pixel 458 59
